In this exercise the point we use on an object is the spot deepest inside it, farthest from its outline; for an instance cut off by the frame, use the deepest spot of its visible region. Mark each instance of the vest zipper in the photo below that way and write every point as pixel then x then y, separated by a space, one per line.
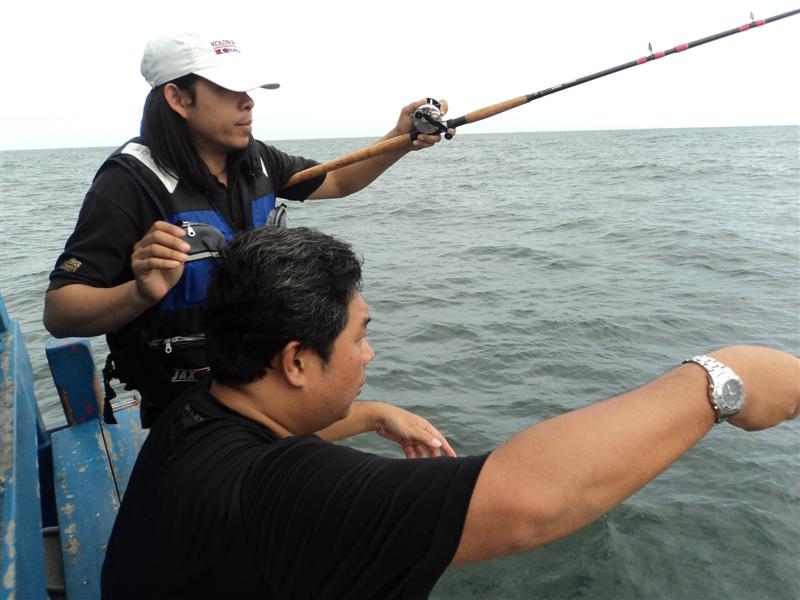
pixel 189 230
pixel 180 340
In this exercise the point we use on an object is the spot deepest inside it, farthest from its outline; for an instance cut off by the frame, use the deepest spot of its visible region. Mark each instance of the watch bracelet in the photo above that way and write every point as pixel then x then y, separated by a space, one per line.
pixel 708 363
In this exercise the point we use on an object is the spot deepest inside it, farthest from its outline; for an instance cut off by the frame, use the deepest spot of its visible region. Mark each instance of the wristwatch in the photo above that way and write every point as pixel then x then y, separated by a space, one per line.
pixel 725 388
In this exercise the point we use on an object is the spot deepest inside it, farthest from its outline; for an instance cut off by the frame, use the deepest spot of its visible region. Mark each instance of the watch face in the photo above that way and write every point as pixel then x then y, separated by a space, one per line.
pixel 731 398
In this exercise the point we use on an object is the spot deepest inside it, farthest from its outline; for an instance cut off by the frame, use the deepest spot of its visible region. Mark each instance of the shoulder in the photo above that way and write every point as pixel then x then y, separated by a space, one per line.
pixel 198 444
pixel 112 175
pixel 115 176
pixel 120 183
pixel 277 157
pixel 282 166
pixel 115 199
pixel 402 518
pixel 115 191
pixel 266 150
pixel 272 156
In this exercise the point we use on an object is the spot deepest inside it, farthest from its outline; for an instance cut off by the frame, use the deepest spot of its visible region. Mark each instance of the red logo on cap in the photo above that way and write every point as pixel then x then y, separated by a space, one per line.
pixel 224 46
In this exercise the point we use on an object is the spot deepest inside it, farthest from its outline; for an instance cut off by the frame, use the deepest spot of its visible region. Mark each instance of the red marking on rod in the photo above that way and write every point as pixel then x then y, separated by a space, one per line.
pixel 759 22
pixel 642 60
pixel 744 27
pixel 681 47
pixel 659 54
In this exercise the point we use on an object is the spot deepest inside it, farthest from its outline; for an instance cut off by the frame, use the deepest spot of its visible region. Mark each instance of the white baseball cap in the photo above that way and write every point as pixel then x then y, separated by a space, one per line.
pixel 220 61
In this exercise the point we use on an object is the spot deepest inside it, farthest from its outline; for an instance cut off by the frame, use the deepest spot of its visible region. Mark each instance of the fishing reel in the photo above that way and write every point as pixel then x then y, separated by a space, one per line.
pixel 428 119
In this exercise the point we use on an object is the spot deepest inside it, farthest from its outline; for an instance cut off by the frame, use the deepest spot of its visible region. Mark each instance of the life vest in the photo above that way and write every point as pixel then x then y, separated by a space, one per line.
pixel 163 350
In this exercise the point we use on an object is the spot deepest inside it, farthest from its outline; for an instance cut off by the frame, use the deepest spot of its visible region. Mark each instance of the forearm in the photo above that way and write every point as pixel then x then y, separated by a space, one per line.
pixel 360 420
pixel 86 311
pixel 353 178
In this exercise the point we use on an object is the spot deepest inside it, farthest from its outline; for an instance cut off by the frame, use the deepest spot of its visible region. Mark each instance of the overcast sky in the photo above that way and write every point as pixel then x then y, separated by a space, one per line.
pixel 70 70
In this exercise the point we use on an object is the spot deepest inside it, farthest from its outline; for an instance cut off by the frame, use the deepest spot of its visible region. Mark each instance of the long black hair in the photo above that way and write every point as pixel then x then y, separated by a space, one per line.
pixel 168 136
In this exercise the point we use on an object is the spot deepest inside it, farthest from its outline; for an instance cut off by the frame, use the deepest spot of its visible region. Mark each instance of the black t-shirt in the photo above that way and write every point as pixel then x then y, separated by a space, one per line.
pixel 117 212
pixel 218 507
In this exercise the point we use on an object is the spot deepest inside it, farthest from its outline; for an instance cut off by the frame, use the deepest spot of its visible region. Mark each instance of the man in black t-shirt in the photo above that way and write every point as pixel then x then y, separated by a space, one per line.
pixel 219 506
pixel 234 495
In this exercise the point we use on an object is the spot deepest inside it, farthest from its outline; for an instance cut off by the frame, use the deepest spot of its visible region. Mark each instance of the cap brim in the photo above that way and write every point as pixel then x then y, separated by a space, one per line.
pixel 238 76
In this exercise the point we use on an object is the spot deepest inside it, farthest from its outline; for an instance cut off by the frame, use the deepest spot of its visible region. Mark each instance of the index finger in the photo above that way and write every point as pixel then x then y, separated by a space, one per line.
pixel 445 447
pixel 415 105
pixel 167 228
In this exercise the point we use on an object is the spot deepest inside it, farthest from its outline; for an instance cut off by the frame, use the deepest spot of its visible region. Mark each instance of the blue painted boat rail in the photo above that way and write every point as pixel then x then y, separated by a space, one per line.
pixel 22 436
pixel 59 489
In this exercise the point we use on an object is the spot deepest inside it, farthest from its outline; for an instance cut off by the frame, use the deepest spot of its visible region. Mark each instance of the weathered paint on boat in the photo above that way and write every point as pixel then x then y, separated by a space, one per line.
pixel 67 481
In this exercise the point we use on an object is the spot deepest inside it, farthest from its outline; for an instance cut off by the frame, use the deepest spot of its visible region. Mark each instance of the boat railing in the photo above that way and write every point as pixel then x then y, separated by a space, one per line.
pixel 59 489
pixel 23 442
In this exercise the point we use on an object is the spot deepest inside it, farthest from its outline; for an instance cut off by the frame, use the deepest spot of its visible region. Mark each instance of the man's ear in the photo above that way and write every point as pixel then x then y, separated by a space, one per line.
pixel 179 100
pixel 293 361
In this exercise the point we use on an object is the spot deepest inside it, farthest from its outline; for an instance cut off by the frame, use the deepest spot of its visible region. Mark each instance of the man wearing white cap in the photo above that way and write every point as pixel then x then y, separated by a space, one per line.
pixel 160 207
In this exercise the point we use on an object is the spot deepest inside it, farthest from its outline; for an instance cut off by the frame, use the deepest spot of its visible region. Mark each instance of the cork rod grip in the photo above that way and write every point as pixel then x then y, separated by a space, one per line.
pixel 399 142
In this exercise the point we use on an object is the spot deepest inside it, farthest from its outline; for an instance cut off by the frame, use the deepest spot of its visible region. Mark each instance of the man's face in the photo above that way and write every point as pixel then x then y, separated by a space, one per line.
pixel 339 382
pixel 220 120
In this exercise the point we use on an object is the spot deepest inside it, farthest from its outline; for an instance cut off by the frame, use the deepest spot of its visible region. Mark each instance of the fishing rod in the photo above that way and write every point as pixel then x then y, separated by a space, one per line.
pixel 428 118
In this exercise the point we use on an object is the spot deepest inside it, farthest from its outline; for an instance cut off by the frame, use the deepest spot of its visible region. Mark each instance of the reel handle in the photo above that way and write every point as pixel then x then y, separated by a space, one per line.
pixel 428 119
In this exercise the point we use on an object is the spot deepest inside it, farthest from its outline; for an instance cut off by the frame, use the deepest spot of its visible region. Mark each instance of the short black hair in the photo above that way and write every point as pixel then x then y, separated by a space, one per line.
pixel 273 285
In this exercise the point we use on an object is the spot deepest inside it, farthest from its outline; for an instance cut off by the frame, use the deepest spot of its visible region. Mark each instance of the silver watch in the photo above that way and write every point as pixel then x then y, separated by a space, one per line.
pixel 725 388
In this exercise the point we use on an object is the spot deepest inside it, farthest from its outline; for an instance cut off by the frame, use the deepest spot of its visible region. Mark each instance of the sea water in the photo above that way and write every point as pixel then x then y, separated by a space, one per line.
pixel 513 277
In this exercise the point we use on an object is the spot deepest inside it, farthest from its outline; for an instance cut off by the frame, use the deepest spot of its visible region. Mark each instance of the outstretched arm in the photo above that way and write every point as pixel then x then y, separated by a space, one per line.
pixel 82 310
pixel 416 436
pixel 355 177
pixel 563 473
